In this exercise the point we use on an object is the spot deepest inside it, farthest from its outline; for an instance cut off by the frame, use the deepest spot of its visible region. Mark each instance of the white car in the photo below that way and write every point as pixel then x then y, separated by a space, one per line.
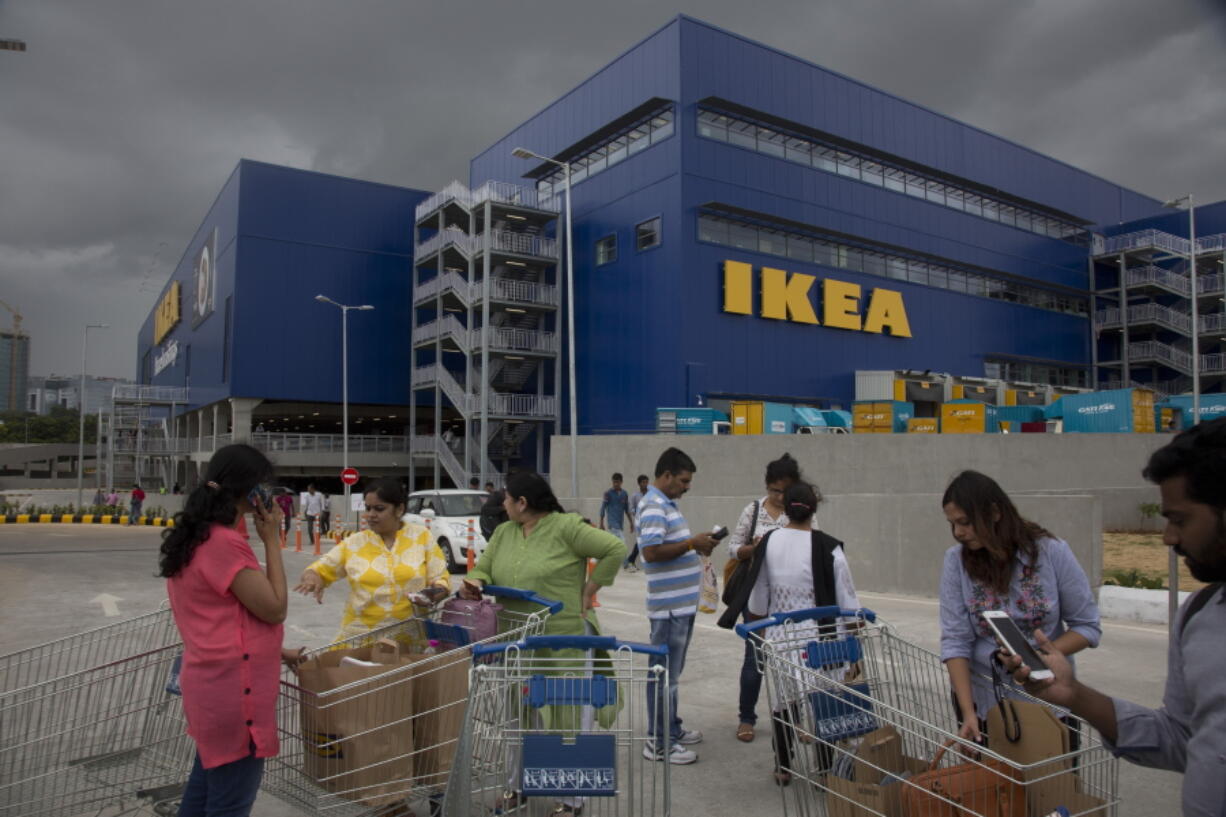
pixel 451 514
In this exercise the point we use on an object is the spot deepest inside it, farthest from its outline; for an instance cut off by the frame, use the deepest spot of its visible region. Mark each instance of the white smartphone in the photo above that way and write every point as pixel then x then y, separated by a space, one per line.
pixel 1011 638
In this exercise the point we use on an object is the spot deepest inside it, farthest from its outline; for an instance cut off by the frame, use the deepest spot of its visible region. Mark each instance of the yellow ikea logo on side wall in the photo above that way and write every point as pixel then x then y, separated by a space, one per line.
pixel 785 297
pixel 167 314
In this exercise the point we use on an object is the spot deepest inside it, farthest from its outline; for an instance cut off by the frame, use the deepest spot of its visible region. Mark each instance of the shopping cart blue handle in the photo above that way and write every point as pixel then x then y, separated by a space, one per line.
pixel 501 592
pixel 574 642
pixel 744 630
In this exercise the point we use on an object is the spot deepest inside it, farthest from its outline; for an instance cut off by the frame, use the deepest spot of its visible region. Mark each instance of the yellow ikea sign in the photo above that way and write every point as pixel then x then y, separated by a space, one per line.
pixel 786 297
pixel 167 313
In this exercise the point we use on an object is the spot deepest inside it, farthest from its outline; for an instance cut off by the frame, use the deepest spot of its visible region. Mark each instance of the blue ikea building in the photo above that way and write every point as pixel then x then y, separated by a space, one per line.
pixel 747 224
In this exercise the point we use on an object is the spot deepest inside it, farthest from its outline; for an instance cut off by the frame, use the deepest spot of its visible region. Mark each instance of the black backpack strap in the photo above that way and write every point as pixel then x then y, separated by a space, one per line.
pixel 1198 601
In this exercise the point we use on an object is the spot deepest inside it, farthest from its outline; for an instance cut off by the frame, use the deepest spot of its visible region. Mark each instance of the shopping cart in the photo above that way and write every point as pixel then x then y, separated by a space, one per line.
pixel 562 719
pixel 94 721
pixel 401 759
pixel 867 723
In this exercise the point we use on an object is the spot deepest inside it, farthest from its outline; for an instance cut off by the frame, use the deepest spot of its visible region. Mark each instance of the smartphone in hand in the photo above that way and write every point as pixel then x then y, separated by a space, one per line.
pixel 1014 642
pixel 719 533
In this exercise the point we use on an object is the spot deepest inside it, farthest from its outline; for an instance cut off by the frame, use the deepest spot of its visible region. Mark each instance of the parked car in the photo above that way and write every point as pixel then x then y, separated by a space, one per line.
pixel 451 514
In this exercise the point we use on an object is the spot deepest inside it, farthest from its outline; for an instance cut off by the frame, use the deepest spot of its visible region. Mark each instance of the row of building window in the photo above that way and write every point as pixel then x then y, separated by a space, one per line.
pixel 808 152
pixel 810 249
pixel 1022 372
pixel 646 235
pixel 647 131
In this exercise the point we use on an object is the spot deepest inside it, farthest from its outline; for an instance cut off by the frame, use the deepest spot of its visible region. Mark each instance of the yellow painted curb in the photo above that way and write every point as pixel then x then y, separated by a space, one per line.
pixel 123 520
pixel 45 518
pixel 87 519
pixel 23 518
pixel 106 518
pixel 67 518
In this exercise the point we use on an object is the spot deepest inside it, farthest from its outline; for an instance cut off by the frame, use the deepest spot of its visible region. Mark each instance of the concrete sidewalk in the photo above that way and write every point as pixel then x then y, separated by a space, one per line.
pixel 53 577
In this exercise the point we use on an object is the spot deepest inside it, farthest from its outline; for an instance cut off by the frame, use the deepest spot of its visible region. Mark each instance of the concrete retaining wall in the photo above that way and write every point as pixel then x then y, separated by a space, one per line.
pixel 896 543
pixel 1104 465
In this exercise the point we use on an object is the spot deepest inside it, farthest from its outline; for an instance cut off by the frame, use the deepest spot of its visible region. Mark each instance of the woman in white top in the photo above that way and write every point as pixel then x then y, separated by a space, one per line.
pixel 781 474
pixel 789 580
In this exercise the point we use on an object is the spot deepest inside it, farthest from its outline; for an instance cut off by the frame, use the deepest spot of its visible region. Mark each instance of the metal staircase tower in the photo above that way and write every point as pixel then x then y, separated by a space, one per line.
pixel 484 329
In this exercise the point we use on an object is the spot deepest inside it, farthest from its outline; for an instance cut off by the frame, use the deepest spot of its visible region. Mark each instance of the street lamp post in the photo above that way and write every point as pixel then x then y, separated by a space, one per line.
pixel 323 299
pixel 524 153
pixel 81 413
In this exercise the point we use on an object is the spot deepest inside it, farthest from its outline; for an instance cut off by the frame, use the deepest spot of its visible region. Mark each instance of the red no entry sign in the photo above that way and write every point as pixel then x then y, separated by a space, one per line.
pixel 349 476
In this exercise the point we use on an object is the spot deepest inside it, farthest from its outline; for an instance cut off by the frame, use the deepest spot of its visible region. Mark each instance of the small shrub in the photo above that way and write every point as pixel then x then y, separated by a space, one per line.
pixel 1134 578
pixel 1149 510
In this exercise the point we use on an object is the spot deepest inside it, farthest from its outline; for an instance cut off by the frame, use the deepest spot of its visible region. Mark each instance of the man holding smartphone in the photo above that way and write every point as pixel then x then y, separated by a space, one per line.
pixel 1188 733
pixel 674 576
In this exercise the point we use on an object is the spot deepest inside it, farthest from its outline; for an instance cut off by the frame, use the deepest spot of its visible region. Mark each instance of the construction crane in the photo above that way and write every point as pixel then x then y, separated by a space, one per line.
pixel 16 318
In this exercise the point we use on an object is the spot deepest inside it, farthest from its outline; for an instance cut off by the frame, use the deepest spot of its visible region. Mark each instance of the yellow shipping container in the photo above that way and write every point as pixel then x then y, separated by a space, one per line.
pixel 746 417
pixel 922 425
pixel 964 418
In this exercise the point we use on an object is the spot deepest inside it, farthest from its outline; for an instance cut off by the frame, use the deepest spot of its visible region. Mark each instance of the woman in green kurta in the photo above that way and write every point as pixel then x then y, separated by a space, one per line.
pixel 545 550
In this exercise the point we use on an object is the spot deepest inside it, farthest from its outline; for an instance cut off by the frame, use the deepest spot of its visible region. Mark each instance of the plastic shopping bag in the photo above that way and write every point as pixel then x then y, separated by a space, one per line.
pixel 708 592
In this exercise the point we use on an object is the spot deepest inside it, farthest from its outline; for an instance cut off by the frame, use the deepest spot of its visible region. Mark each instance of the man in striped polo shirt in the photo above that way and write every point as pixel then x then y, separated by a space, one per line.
pixel 674 573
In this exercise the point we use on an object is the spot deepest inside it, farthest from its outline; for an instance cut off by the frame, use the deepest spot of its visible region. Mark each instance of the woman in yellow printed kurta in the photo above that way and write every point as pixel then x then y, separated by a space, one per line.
pixel 391 567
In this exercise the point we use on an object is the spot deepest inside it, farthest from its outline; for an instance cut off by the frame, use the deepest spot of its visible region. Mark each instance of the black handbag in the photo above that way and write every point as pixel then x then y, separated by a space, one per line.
pixel 734 580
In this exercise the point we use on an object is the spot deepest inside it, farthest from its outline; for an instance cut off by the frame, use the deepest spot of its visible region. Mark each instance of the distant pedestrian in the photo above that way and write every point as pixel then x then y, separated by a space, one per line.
pixel 635 499
pixel 615 508
pixel 285 501
pixel 674 573
pixel 489 487
pixel 312 507
pixel 474 484
pixel 138 499
pixel 177 489
pixel 99 497
pixel 112 499
pixel 493 513
pixel 325 516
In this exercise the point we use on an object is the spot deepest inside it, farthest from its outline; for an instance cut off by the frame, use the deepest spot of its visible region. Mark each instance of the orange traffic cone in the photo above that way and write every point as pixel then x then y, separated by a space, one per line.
pixel 283 544
pixel 317 537
pixel 298 536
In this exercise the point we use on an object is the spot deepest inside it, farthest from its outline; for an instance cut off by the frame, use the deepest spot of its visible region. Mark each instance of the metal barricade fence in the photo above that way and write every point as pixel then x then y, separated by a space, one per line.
pixel 94 721
pixel 867 720
pixel 384 744
pixel 545 727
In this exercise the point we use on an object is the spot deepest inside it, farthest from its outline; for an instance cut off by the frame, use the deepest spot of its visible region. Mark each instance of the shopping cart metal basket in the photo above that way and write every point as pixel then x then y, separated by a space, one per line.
pixel 94 721
pixel 385 744
pixel 562 719
pixel 867 727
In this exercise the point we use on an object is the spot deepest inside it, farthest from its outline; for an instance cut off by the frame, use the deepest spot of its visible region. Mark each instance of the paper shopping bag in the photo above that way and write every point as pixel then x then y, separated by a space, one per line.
pixel 440 695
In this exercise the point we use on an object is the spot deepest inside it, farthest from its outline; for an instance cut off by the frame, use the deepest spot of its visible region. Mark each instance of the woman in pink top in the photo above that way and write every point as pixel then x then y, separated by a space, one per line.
pixel 229 613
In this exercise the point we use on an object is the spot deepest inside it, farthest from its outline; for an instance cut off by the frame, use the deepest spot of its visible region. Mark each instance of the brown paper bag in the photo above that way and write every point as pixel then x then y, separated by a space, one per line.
pixel 357 722
pixel 440 695
pixel 1030 735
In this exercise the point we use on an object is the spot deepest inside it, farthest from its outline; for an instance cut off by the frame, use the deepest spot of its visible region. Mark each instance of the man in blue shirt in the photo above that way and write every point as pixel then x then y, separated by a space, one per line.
pixel 614 507
pixel 674 574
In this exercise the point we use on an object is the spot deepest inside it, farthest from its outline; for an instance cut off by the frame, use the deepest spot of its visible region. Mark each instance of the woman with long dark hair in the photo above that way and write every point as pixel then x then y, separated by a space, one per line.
pixel 229 612
pixel 390 567
pixel 546 550
pixel 759 518
pixel 1003 562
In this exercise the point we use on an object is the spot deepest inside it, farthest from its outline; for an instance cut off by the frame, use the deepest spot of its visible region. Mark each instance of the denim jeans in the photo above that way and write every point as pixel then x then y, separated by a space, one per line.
pixel 675 633
pixel 225 791
pixel 751 685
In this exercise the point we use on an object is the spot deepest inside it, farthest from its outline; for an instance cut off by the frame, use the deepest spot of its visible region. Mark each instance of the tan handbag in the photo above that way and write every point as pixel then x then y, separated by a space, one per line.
pixel 983 788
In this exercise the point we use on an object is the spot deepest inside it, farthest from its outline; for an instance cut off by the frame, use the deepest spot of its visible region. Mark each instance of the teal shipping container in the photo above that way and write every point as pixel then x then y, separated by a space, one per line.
pixel 1106 412
pixel 1016 415
pixel 1212 406
pixel 688 420
pixel 778 418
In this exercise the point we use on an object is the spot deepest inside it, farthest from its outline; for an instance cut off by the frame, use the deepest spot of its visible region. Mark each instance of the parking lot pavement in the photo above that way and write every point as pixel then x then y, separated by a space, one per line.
pixel 58 580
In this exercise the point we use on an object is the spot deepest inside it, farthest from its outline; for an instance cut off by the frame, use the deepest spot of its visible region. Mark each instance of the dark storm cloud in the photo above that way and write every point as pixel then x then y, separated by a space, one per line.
pixel 124 117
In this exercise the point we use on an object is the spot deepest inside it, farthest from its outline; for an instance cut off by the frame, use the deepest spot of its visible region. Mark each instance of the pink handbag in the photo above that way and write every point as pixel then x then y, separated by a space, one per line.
pixel 476 620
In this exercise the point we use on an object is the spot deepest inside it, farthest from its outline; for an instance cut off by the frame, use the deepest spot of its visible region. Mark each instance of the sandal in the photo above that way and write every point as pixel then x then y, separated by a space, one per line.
pixel 510 802
pixel 783 778
pixel 744 733
pixel 564 810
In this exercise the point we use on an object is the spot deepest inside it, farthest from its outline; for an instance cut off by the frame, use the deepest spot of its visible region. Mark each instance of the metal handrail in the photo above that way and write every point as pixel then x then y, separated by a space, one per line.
pixel 455 190
pixel 1212 323
pixel 135 392
pixel 523 405
pixel 520 340
pixel 1211 243
pixel 1214 363
pixel 446 281
pixel 1137 313
pixel 1209 284
pixel 1160 351
pixel 524 244
pixel 450 235
pixel 527 292
pixel 1147 239
pixel 502 192
pixel 330 443
pixel 1163 277
pixel 448 325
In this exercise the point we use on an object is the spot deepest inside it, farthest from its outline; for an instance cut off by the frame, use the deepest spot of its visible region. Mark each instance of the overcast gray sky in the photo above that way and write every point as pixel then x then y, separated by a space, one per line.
pixel 123 119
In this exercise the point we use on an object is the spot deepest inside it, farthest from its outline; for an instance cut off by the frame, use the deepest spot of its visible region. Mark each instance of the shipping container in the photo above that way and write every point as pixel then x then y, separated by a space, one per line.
pixel 923 425
pixel 884 416
pixel 1212 406
pixel 688 420
pixel 757 417
pixel 968 417
pixel 980 392
pixel 1025 397
pixel 1016 415
pixel 1120 411
pixel 1038 427
pixel 872 386
pixel 805 417
pixel 837 418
